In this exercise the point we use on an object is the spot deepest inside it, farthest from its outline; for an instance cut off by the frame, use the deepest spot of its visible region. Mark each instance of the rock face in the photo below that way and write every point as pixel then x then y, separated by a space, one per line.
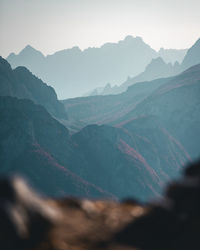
pixel 21 83
pixel 29 221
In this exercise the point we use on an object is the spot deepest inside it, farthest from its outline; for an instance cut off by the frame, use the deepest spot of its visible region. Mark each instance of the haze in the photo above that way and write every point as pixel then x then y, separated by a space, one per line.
pixel 51 25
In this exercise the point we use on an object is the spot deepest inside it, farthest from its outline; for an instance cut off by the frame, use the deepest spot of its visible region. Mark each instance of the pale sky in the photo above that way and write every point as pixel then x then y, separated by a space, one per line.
pixel 52 25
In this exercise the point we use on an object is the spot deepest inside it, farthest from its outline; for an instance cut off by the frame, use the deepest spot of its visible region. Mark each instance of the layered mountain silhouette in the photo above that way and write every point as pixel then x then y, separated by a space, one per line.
pixel 172 55
pixel 21 83
pixel 192 57
pixel 157 68
pixel 173 102
pixel 98 161
pixel 176 104
pixel 141 139
pixel 33 144
pixel 104 109
pixel 73 72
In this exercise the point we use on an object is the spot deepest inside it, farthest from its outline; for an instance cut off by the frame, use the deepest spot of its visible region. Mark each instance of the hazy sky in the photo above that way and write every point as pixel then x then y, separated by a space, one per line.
pixel 51 25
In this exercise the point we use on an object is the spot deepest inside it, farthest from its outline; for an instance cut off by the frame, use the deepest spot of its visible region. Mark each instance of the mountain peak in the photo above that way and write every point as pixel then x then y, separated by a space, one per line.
pixel 29 50
pixel 130 38
pixel 29 47
pixel 157 61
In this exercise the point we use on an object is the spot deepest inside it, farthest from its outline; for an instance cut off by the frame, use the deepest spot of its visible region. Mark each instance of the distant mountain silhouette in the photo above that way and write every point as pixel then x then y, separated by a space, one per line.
pixel 172 55
pixel 192 56
pixel 73 72
pixel 156 69
pixel 28 57
pixel 21 83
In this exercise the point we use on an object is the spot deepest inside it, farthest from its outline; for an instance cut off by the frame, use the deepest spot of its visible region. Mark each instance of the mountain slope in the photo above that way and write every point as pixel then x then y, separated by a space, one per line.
pixel 192 57
pixel 104 109
pixel 21 83
pixel 176 104
pixel 30 145
pixel 133 160
pixel 99 161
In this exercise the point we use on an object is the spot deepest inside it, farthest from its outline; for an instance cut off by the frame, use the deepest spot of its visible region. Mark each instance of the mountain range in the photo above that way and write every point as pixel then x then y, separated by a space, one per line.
pixel 157 68
pixel 73 72
pixel 135 156
pixel 172 102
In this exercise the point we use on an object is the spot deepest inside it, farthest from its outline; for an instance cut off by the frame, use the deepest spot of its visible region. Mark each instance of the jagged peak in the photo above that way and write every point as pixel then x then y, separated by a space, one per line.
pixel 30 50
pixel 157 60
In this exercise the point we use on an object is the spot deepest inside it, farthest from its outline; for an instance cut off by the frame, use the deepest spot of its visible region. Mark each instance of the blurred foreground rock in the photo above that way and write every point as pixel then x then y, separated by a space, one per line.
pixel 29 221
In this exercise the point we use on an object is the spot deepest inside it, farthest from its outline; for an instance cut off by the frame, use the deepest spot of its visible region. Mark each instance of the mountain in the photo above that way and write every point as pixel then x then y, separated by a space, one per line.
pixel 176 105
pixel 192 57
pixel 173 102
pixel 98 161
pixel 172 55
pixel 30 145
pixel 28 57
pixel 21 83
pixel 73 72
pixel 104 109
pixel 156 69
